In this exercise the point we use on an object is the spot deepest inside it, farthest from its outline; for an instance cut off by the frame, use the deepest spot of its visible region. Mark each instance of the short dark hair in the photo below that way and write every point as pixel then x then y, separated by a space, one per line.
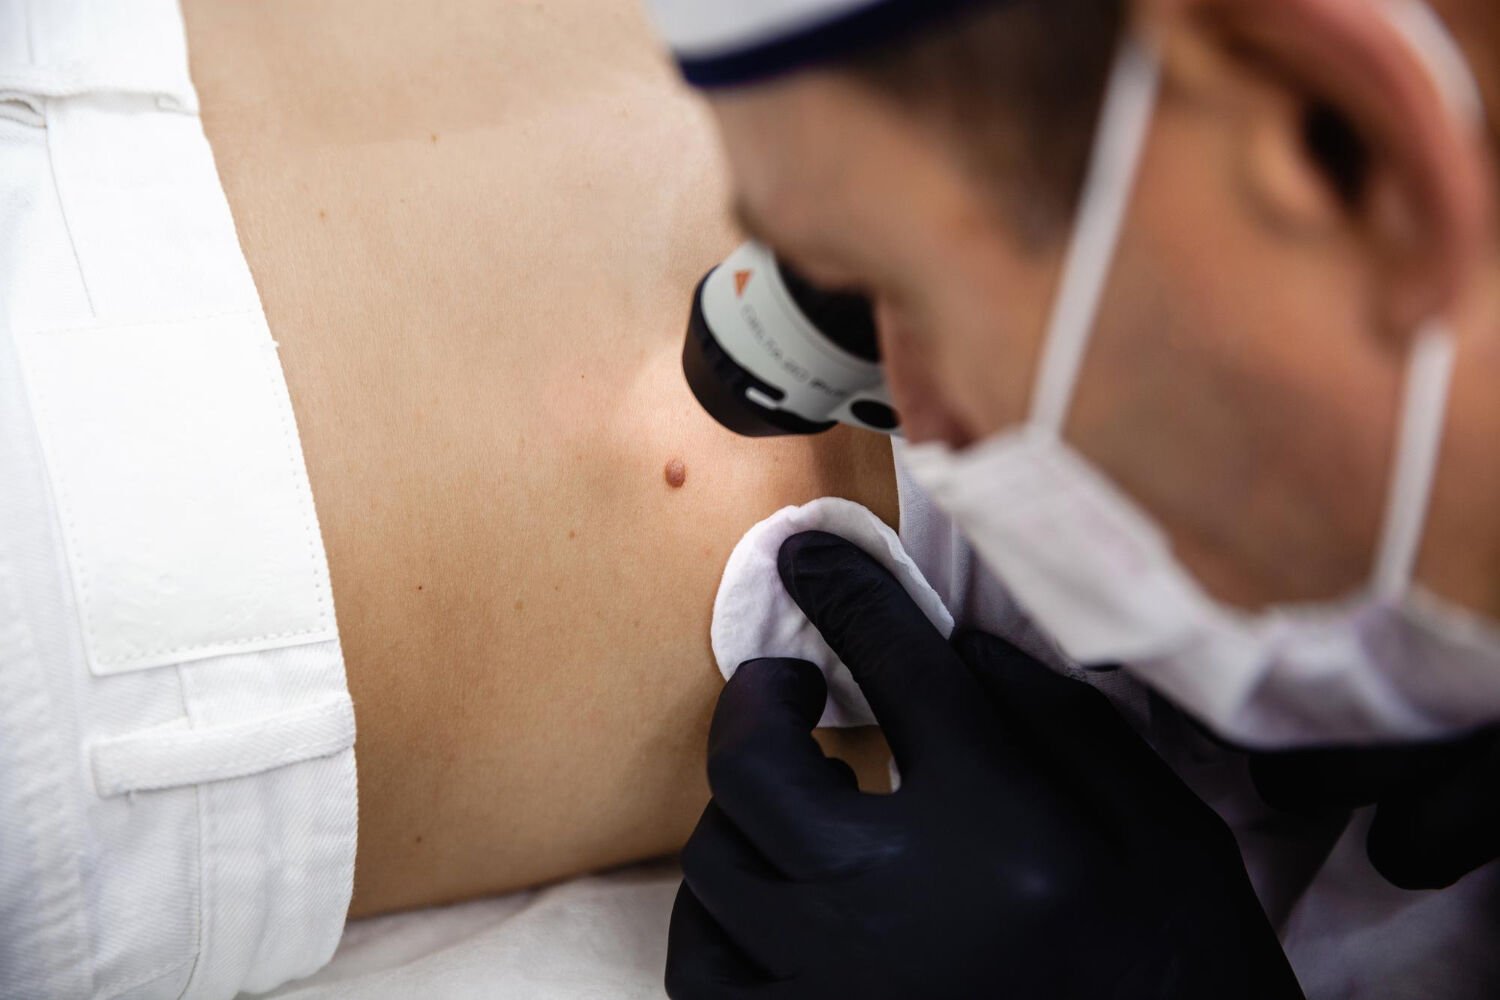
pixel 1016 89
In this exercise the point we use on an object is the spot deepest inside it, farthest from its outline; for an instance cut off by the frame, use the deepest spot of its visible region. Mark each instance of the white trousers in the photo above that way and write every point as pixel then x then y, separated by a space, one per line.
pixel 177 782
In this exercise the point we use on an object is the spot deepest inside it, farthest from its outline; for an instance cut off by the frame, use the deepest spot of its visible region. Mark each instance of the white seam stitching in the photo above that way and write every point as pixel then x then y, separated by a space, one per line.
pixel 202 913
pixel 186 319
pixel 70 910
pixel 48 112
pixel 78 569
pixel 117 661
pixel 226 770
pixel 65 508
pixel 276 384
pixel 159 972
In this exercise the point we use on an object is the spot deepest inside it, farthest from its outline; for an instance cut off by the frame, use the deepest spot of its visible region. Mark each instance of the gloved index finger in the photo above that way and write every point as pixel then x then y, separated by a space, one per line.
pixel 921 692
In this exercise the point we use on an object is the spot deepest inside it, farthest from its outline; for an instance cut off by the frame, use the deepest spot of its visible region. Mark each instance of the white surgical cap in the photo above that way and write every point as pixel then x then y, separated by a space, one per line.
pixel 724 43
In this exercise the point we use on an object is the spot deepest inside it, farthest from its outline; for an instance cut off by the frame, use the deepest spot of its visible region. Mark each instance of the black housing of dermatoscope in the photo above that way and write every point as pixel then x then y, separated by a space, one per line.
pixel 770 354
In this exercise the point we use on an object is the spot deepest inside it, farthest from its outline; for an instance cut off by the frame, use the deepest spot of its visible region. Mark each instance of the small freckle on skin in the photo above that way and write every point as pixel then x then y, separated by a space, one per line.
pixel 572 535
pixel 519 605
pixel 675 473
pixel 322 213
pixel 419 838
pixel 434 137
pixel 419 586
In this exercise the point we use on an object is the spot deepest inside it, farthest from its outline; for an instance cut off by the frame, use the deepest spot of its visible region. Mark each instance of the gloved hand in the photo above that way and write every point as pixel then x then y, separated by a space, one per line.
pixel 1037 848
pixel 1438 813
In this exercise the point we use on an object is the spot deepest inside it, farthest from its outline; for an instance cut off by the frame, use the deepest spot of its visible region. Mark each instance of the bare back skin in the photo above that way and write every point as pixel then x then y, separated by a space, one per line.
pixel 475 228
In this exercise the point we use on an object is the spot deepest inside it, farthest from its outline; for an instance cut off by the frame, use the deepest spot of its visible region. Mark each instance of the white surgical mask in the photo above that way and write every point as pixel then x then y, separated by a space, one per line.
pixel 1091 567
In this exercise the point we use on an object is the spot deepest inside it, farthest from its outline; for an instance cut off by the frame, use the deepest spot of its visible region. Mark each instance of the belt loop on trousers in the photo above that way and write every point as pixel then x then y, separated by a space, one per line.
pixel 68 48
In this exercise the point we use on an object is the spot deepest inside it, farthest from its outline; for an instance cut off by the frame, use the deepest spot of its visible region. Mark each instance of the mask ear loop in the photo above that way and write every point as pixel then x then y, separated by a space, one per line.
pixel 1429 376
pixel 1440 54
pixel 1124 126
pixel 1424 416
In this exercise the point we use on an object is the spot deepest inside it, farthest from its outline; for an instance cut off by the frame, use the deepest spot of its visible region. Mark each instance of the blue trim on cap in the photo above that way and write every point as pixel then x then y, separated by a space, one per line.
pixel 862 28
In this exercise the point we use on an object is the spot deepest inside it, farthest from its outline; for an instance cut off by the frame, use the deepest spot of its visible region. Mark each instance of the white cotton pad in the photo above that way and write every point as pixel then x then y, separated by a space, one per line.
pixel 754 617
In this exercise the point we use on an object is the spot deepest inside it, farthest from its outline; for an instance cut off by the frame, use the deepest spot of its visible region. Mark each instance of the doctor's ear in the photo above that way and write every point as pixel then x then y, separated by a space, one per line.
pixel 1346 129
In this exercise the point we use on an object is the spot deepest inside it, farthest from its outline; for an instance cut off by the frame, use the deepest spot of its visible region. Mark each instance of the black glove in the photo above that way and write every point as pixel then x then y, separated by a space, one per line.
pixel 1037 848
pixel 1438 816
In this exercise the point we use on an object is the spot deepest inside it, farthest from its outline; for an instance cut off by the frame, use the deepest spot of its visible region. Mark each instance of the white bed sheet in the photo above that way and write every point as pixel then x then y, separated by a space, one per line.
pixel 597 938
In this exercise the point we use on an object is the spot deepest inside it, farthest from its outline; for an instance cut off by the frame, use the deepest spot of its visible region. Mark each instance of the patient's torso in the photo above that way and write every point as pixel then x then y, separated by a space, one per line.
pixel 475 227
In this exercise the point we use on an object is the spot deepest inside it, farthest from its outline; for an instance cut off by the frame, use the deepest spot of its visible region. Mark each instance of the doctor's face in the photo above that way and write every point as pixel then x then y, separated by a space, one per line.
pixel 1244 379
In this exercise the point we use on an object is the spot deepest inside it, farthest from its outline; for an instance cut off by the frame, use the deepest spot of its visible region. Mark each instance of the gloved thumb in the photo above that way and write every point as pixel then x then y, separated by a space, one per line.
pixel 922 694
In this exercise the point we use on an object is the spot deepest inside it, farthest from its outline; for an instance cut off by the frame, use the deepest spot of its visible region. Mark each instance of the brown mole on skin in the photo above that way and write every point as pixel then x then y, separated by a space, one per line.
pixel 675 473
